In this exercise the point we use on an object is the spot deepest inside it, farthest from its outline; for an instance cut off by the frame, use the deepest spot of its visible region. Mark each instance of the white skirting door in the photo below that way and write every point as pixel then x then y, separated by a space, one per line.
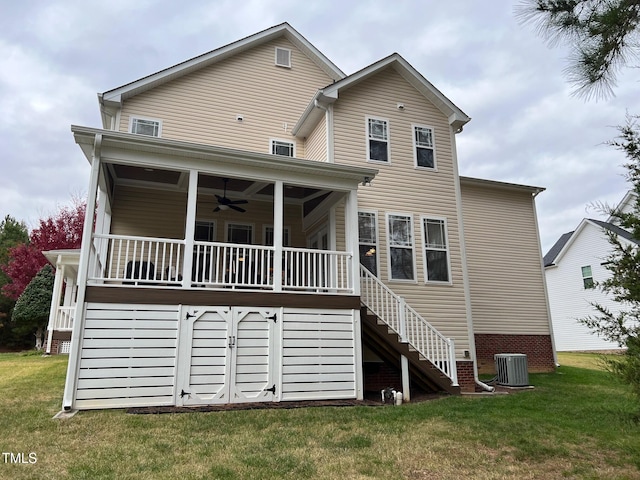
pixel 226 355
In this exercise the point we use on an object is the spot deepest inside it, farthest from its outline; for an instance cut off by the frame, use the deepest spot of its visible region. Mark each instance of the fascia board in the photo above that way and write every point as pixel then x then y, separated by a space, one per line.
pixel 457 118
pixel 500 185
pixel 574 236
pixel 115 96
pixel 132 147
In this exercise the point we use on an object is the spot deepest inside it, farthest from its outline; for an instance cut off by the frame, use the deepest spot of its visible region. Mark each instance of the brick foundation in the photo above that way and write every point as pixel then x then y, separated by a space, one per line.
pixel 465 376
pixel 537 348
pixel 378 376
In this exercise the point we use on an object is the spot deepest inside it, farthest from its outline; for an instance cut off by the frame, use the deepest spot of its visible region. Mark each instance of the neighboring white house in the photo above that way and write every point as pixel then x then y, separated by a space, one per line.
pixel 572 266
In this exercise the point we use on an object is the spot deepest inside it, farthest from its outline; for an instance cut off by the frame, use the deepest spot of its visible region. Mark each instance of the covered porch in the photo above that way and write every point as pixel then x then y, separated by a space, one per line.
pixel 175 215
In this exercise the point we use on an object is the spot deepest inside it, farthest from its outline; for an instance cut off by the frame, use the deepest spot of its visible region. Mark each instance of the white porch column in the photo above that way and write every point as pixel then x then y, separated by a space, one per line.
pixel 189 229
pixel 406 391
pixel 83 273
pixel 55 302
pixel 351 237
pixel 278 226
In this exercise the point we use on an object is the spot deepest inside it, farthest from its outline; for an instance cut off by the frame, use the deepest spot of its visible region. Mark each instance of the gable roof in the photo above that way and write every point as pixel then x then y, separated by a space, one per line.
pixel 624 204
pixel 114 97
pixel 312 114
pixel 551 255
pixel 563 244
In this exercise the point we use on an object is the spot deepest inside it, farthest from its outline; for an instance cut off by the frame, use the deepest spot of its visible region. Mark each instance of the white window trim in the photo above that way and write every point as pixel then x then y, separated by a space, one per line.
pixel 366 137
pixel 272 140
pixel 246 224
pixel 148 119
pixel 415 147
pixel 413 248
pixel 377 239
pixel 276 57
pixel 264 233
pixel 584 287
pixel 424 247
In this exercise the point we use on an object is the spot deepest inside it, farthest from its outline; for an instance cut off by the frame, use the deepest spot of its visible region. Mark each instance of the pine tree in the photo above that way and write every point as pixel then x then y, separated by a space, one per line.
pixel 602 36
pixel 624 265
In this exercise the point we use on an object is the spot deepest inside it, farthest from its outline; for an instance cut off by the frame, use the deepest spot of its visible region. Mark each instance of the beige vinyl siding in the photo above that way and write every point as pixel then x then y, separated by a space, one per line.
pixel 401 188
pixel 504 261
pixel 202 107
pixel 316 142
pixel 159 213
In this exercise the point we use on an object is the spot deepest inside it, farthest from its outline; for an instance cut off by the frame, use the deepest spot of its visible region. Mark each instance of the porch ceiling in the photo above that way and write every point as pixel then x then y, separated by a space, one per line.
pixel 172 155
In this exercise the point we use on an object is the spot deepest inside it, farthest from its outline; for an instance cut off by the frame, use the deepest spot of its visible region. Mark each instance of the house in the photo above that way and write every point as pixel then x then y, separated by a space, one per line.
pixel 269 228
pixel 572 267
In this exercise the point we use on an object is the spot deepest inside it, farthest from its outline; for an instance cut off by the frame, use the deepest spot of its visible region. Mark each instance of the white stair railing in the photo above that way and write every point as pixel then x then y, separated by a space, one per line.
pixel 410 326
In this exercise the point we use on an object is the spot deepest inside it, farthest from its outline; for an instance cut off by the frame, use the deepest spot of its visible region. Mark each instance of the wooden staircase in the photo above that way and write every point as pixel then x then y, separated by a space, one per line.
pixel 385 343
pixel 392 328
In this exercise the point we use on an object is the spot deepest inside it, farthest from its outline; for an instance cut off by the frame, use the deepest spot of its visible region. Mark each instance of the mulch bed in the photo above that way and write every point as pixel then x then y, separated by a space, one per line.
pixel 253 406
pixel 371 401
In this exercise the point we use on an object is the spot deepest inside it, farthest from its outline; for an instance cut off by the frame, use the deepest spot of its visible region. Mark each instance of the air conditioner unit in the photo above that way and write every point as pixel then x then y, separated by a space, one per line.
pixel 511 369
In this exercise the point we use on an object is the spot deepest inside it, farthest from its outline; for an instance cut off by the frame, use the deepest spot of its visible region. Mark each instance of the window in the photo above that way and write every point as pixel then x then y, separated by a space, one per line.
pixel 587 277
pixel 268 236
pixel 239 233
pixel 282 147
pixel 368 238
pixel 378 140
pixel 205 231
pixel 436 253
pixel 401 259
pixel 283 57
pixel 423 148
pixel 145 126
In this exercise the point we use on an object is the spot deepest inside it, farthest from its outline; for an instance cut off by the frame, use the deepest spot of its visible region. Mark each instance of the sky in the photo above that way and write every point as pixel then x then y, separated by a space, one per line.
pixel 526 126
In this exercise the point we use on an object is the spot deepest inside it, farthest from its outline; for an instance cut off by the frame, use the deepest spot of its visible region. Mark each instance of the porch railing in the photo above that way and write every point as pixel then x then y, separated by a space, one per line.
pixel 136 260
pixel 64 318
pixel 320 270
pixel 410 326
pixel 129 260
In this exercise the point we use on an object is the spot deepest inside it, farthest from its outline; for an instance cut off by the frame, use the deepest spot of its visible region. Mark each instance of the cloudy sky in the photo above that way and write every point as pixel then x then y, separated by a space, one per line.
pixel 525 128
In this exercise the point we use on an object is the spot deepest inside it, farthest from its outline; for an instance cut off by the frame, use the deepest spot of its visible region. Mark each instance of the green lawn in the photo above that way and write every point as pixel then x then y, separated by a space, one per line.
pixel 576 423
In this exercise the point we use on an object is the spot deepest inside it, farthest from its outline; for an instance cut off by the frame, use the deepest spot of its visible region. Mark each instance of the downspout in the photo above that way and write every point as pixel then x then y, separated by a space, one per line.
pixel 328 128
pixel 465 272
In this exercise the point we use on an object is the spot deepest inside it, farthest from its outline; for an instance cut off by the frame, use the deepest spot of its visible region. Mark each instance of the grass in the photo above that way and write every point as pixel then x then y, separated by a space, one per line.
pixel 576 423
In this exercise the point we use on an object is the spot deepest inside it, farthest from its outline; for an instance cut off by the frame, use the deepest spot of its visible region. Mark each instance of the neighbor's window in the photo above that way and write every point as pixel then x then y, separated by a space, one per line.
pixel 401 259
pixel 145 126
pixel 436 252
pixel 423 148
pixel 378 140
pixel 587 277
pixel 282 147
pixel 368 238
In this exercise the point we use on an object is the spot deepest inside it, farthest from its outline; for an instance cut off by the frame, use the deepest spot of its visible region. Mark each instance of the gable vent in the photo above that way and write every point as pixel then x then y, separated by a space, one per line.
pixel 283 57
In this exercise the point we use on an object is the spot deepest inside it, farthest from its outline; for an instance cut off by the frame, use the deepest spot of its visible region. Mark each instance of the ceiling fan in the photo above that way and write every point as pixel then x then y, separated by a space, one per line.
pixel 225 203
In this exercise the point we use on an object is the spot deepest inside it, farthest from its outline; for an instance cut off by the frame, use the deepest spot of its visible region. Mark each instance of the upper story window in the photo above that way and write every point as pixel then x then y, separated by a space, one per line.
pixel 436 251
pixel 145 126
pixel 401 247
pixel 282 147
pixel 587 277
pixel 377 140
pixel 283 57
pixel 424 151
pixel 368 239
